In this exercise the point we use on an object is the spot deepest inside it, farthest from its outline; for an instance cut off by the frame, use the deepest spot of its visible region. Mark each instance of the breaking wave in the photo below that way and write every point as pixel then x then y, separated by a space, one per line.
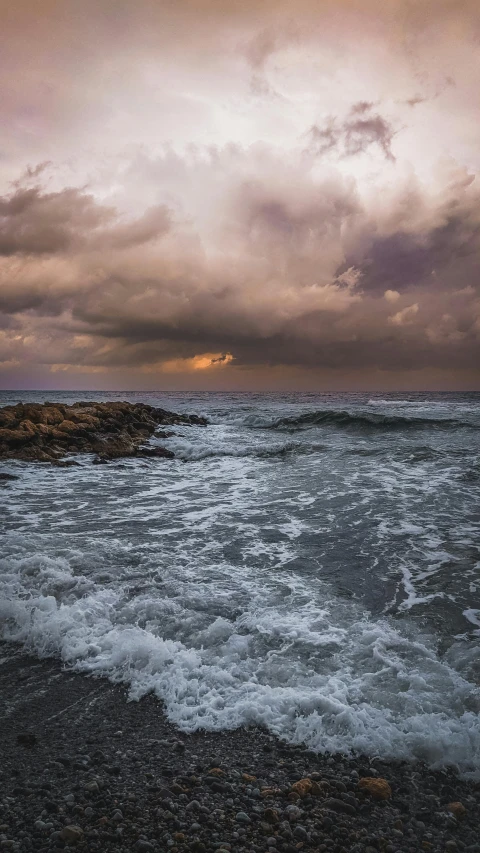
pixel 360 420
pixel 313 671
pixel 195 451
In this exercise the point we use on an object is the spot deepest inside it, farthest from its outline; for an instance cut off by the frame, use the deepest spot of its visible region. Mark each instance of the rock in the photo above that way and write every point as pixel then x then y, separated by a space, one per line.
pixel 339 806
pixel 8 477
pixel 302 787
pixel 271 816
pixel 272 792
pixel 46 432
pixel 71 833
pixel 305 787
pixel 377 788
pixel 300 832
pixel 293 813
pixel 457 809
pixel 154 453
pixel 242 817
pixel 247 778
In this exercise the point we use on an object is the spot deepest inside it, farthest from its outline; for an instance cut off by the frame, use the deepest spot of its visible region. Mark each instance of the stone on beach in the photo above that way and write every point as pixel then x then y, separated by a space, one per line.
pixel 378 788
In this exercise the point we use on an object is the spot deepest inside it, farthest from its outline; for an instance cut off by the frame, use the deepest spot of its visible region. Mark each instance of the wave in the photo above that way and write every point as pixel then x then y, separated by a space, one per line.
pixel 380 402
pixel 218 444
pixel 346 685
pixel 409 454
pixel 360 420
pixel 195 452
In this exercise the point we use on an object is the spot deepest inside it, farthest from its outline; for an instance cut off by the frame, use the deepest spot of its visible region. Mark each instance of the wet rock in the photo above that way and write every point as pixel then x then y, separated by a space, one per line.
pixel 71 833
pixel 46 432
pixel 293 813
pixel 457 809
pixel 242 817
pixel 377 788
pixel 339 806
pixel 300 832
pixel 271 816
pixel 302 787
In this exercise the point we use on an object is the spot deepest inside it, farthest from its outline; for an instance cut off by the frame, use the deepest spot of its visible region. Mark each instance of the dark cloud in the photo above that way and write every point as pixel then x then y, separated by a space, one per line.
pixel 36 223
pixel 301 272
pixel 173 220
pixel 48 223
pixel 446 249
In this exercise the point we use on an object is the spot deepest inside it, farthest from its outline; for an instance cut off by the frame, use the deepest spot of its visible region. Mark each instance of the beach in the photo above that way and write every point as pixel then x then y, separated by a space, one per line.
pixel 76 753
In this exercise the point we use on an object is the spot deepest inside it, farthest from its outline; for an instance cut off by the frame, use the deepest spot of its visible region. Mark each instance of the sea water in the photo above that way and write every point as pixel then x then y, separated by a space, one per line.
pixel 307 562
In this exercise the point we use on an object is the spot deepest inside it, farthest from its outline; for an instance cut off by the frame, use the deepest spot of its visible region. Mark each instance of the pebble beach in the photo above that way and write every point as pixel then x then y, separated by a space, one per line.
pixel 85 769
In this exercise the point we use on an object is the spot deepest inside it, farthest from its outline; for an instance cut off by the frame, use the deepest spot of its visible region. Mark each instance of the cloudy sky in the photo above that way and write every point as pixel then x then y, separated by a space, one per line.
pixel 266 194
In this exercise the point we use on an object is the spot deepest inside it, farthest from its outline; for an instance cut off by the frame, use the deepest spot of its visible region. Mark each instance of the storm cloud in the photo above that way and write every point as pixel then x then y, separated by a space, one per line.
pixel 187 224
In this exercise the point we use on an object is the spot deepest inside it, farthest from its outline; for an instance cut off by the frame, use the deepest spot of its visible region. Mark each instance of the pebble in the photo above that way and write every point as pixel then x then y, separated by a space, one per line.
pixel 293 813
pixel 71 833
pixel 242 817
pixel 300 832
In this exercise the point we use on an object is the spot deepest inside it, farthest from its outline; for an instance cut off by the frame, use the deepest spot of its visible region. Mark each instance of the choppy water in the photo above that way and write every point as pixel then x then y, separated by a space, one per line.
pixel 307 562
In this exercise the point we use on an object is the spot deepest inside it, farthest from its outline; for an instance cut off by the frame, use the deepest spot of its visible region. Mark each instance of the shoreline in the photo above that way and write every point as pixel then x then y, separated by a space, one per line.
pixel 76 753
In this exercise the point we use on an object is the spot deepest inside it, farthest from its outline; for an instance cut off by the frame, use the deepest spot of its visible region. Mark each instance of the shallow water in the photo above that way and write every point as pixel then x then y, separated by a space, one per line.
pixel 309 562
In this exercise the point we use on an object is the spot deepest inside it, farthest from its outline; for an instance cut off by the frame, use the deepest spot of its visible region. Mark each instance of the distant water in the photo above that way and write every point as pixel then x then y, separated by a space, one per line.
pixel 307 562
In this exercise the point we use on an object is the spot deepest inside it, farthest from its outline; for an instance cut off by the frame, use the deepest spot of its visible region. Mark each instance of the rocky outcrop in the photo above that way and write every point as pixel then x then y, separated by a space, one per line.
pixel 47 432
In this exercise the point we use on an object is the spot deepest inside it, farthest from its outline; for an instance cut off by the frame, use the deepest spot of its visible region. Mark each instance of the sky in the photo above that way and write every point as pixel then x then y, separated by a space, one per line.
pixel 224 195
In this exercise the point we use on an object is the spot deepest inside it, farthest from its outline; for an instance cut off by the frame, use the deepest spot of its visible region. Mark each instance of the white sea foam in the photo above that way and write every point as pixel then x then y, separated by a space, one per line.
pixel 317 672
pixel 473 616
pixel 217 443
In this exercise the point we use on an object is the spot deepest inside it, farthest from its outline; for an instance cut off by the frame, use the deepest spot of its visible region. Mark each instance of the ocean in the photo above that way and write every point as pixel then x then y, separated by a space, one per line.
pixel 308 562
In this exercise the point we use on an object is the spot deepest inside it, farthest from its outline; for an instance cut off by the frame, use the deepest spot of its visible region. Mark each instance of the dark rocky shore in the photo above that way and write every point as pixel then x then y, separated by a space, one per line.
pixel 84 769
pixel 48 432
